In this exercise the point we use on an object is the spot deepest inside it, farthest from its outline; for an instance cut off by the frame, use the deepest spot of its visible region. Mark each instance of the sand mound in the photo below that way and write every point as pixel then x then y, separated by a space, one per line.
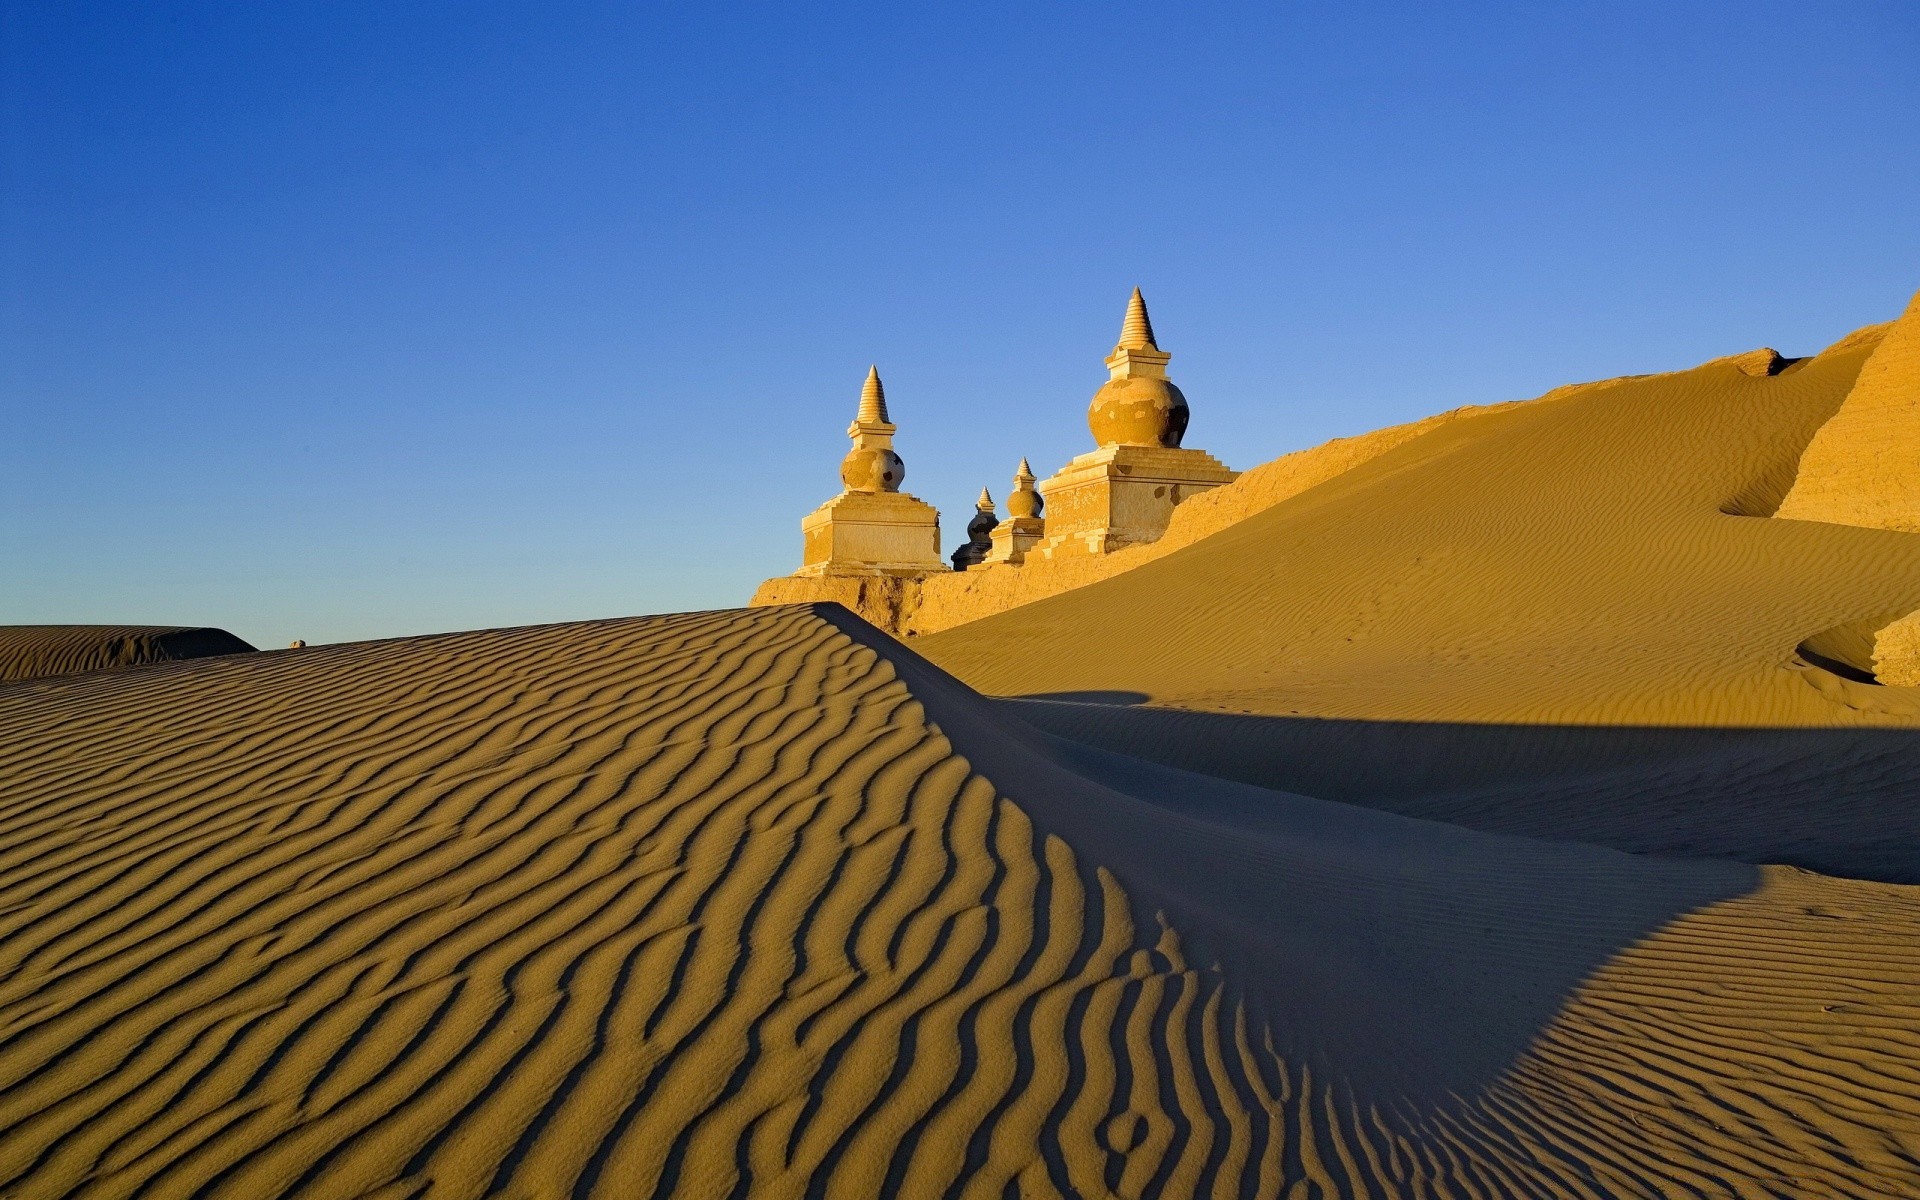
pixel 1571 561
pixel 36 651
pixel 1860 468
pixel 760 901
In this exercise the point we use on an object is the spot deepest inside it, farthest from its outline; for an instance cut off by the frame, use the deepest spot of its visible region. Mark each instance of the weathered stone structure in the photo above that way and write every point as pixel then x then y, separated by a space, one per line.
pixel 872 528
pixel 1124 492
pixel 1023 529
pixel 979 541
pixel 876 549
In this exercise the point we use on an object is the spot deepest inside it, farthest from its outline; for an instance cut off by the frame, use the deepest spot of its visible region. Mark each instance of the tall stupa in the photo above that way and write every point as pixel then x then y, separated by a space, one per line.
pixel 872 527
pixel 1123 492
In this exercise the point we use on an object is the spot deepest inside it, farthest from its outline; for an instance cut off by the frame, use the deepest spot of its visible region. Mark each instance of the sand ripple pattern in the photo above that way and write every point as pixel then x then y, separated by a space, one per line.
pixel 690 905
pixel 705 906
pixel 38 651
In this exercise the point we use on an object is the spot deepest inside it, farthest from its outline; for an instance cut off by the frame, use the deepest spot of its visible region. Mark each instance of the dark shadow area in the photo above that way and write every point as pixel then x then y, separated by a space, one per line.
pixel 1843 669
pixel 1410 958
pixel 1118 699
pixel 1842 802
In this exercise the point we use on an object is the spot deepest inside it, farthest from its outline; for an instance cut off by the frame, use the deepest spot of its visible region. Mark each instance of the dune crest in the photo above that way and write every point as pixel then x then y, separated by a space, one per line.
pixel 41 651
pixel 762 901
pixel 1576 560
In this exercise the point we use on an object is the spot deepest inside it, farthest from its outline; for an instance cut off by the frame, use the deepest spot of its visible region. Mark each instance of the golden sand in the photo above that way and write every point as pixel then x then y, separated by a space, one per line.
pixel 1511 812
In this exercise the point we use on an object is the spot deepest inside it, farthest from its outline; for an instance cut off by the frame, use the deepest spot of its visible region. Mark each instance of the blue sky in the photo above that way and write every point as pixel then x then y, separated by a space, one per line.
pixel 340 320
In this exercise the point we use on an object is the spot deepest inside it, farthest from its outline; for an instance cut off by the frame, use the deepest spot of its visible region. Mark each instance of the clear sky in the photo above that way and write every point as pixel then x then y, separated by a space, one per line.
pixel 337 320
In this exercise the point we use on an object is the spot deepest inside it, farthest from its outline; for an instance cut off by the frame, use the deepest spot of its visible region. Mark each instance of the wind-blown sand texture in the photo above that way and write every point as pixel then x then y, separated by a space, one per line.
pixel 762 903
pixel 33 651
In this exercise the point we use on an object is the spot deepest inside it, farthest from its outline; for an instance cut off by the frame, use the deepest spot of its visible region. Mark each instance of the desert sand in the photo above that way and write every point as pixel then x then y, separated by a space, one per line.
pixel 35 651
pixel 1515 811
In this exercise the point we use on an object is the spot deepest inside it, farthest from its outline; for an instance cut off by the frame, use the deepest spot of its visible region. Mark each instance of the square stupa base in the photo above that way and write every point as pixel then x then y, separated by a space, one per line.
pixel 1119 496
pixel 871 533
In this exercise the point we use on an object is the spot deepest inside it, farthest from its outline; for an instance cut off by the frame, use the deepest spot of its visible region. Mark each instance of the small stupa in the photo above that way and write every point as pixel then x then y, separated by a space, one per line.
pixel 871 528
pixel 1124 492
pixel 979 541
pixel 1023 529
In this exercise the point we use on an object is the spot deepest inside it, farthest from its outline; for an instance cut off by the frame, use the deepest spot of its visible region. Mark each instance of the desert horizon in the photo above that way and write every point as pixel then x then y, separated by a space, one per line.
pixel 1248 866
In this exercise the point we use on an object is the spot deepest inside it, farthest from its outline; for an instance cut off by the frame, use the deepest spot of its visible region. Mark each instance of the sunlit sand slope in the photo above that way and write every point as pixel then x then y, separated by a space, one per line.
pixel 761 903
pixel 1582 559
pixel 34 651
pixel 1861 467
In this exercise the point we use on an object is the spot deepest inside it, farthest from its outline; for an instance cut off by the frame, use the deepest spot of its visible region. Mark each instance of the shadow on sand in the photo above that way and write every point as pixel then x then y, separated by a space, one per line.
pixel 1837 801
pixel 1409 958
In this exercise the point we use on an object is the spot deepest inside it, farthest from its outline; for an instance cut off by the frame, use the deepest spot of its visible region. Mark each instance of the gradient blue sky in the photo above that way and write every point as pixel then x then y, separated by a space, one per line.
pixel 340 320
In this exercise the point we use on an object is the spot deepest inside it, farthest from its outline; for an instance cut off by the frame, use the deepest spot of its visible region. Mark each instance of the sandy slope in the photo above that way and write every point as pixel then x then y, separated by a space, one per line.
pixel 34 651
pixel 1568 561
pixel 760 900
pixel 1567 619
pixel 1860 468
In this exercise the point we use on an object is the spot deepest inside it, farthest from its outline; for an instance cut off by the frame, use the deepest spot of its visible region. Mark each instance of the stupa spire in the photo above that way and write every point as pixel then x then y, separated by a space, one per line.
pixel 1136 332
pixel 873 400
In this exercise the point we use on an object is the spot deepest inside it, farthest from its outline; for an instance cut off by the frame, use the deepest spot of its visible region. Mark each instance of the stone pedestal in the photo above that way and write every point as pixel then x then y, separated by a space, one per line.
pixel 871 533
pixel 1013 537
pixel 1123 495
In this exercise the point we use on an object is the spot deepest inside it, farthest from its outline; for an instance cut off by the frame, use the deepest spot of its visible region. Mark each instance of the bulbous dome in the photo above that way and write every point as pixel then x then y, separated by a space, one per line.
pixel 1138 411
pixel 872 469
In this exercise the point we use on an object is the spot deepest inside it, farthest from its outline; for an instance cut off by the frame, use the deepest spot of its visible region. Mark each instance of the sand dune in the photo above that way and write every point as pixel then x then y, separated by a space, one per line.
pixel 1447 827
pixel 35 651
pixel 1859 468
pixel 1572 561
pixel 762 902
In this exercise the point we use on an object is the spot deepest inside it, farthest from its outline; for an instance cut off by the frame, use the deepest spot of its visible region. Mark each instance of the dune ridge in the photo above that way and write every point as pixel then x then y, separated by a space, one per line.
pixel 1575 561
pixel 701 904
pixel 38 651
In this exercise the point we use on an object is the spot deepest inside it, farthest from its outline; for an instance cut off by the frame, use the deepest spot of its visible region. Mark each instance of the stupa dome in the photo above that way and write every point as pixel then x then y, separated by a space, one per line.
pixel 870 469
pixel 1138 412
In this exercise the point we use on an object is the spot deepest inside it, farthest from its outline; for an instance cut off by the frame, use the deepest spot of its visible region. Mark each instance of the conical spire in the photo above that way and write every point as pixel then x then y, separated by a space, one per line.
pixel 985 502
pixel 1136 333
pixel 1024 475
pixel 873 400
